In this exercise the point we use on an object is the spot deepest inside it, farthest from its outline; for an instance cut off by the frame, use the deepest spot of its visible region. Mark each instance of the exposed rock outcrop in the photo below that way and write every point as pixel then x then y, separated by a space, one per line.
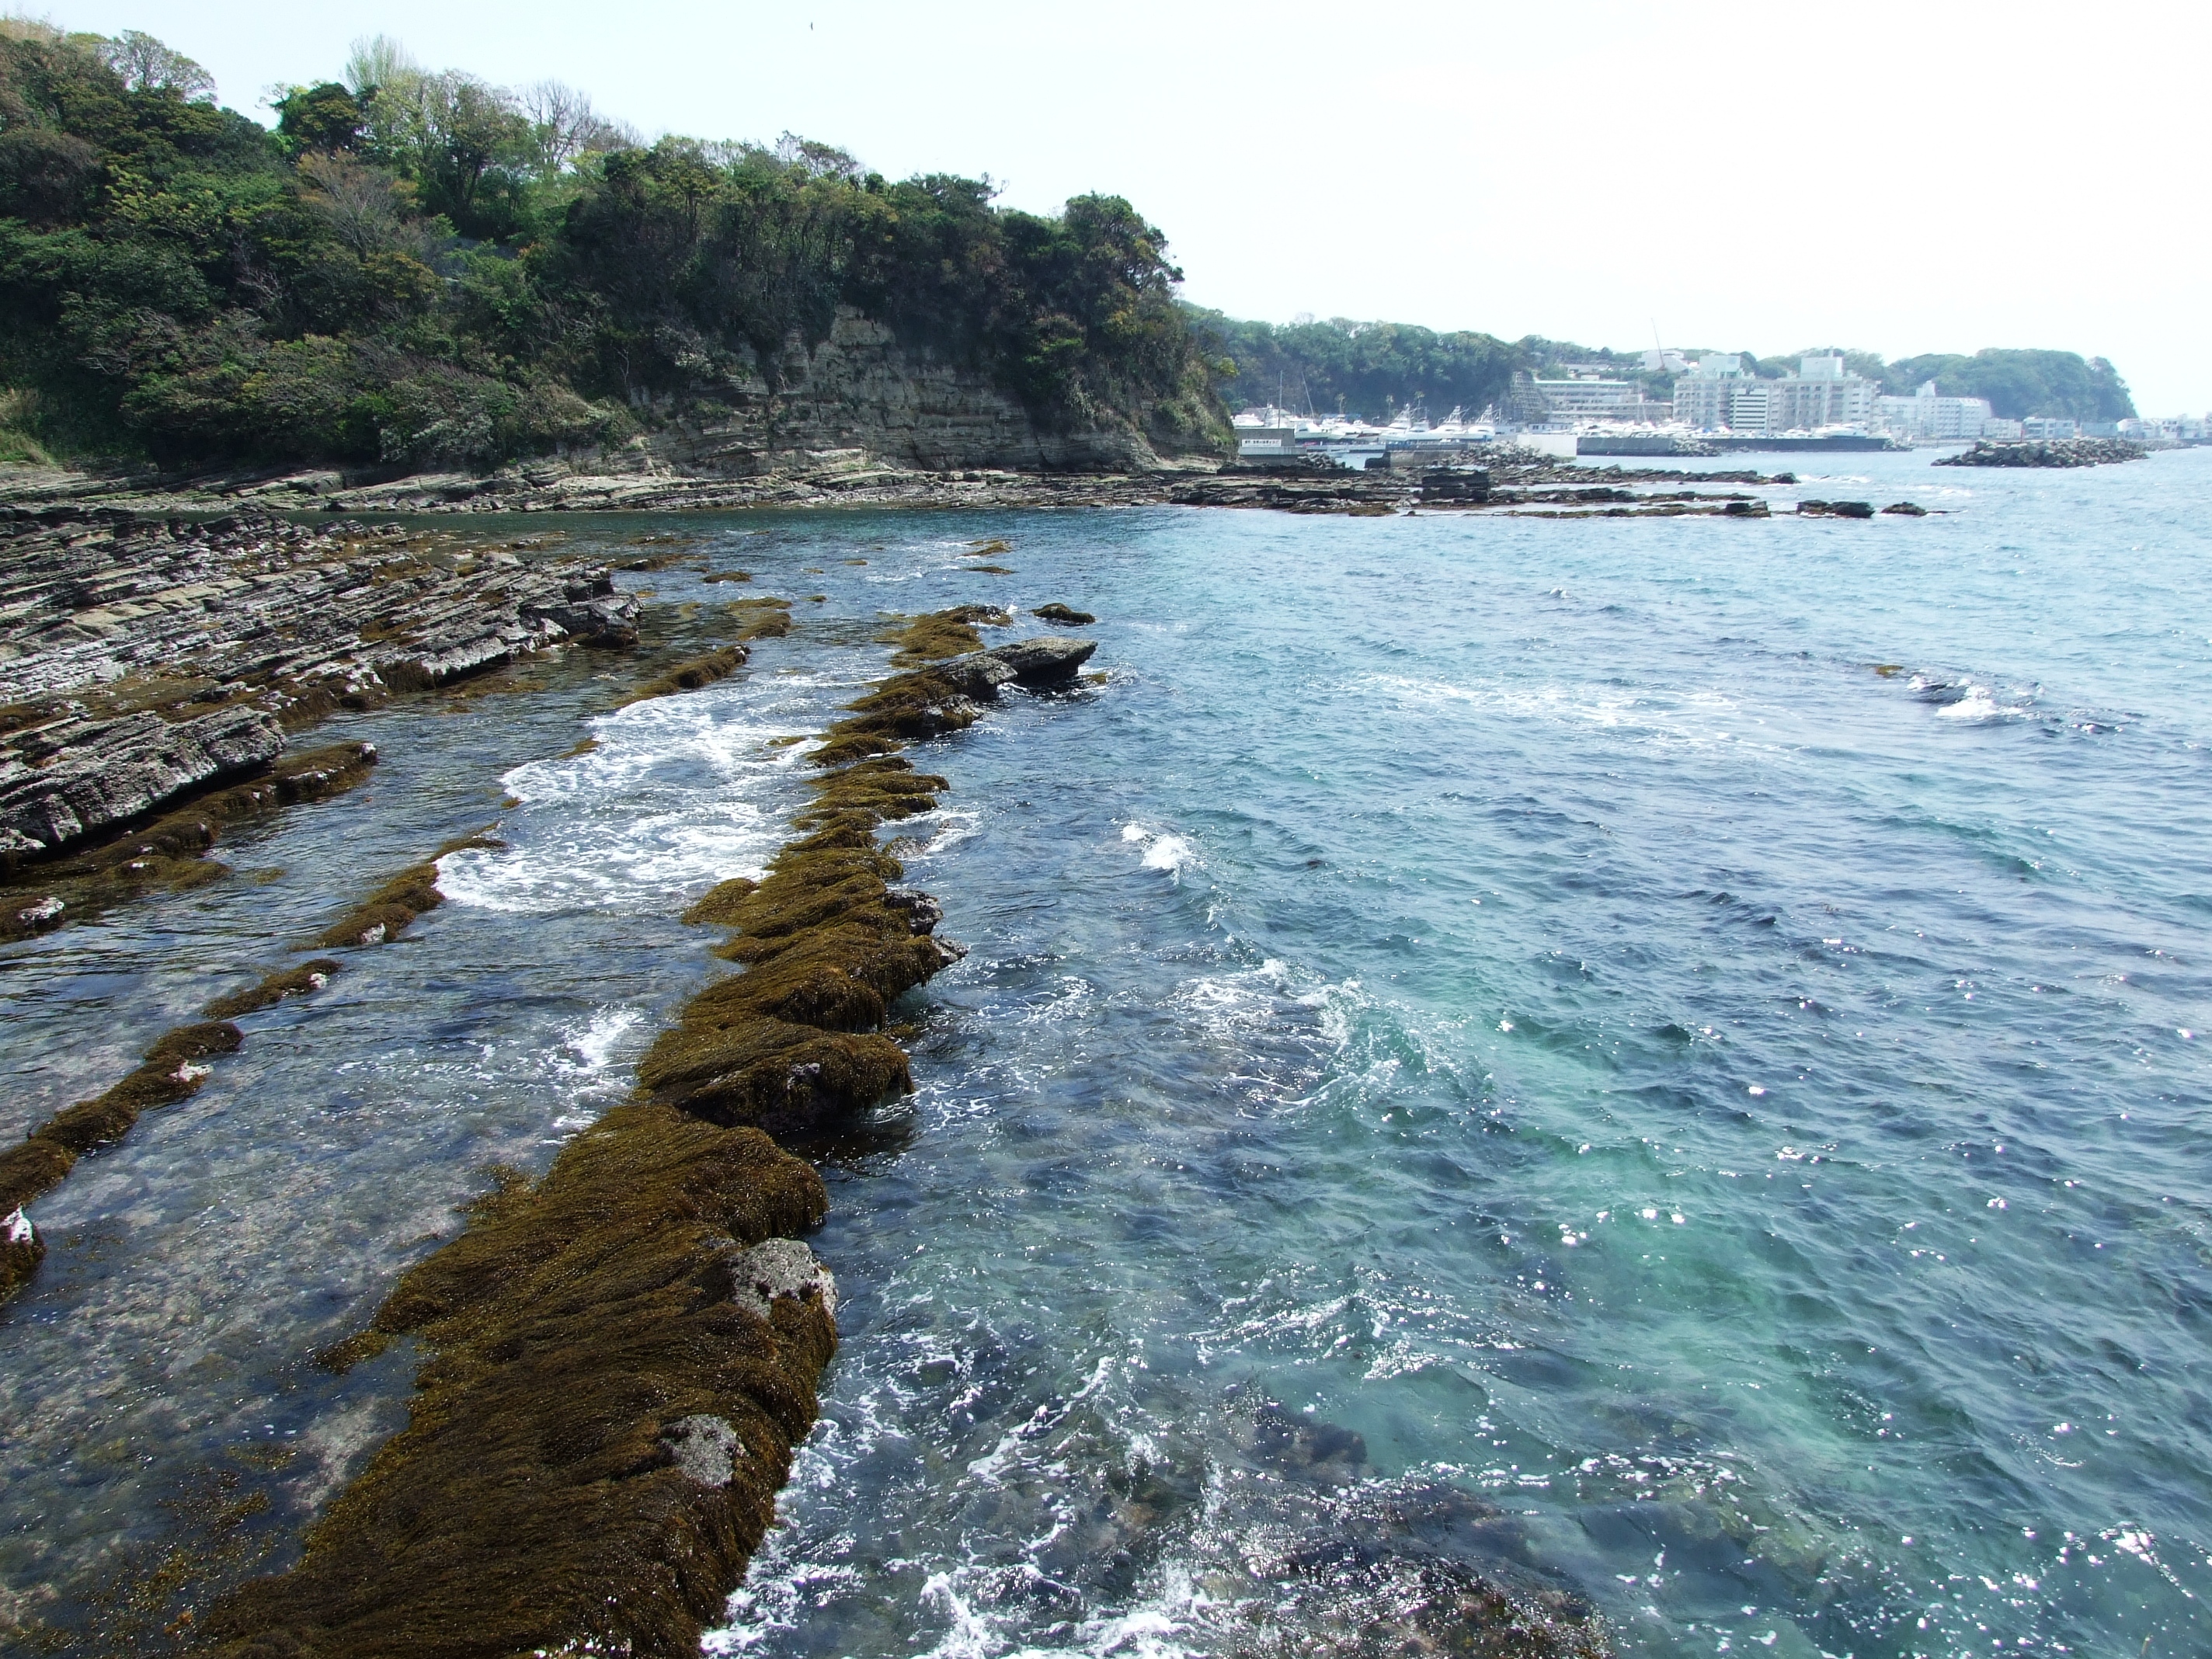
pixel 144 659
pixel 1044 660
pixel 84 778
pixel 2056 451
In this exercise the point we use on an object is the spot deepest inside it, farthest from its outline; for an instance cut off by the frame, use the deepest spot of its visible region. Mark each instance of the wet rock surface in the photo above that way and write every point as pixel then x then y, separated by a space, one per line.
pixel 72 779
pixel 142 660
pixel 1045 660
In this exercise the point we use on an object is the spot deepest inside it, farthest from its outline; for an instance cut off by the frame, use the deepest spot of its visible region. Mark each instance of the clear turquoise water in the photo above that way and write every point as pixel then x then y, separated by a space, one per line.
pixel 1531 995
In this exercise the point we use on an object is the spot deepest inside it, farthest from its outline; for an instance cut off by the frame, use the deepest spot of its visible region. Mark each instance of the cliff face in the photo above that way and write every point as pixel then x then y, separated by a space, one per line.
pixel 861 390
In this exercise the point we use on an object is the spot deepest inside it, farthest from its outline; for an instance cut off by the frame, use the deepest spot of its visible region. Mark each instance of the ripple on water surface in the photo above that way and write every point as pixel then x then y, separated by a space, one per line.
pixel 1647 1063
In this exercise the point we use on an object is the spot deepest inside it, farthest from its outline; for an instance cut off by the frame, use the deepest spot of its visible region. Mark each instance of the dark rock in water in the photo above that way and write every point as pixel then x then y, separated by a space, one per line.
pixel 1370 1569
pixel 923 913
pixel 1835 509
pixel 1468 484
pixel 2057 452
pixel 596 615
pixel 978 674
pixel 1906 510
pixel 1062 615
pixel 1783 478
pixel 1747 510
pixel 1044 661
pixel 1307 1445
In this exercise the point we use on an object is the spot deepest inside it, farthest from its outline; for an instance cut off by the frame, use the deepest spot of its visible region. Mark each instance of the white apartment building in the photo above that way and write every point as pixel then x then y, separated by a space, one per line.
pixel 1718 394
pixel 1702 396
pixel 2049 428
pixel 1587 398
pixel 1929 416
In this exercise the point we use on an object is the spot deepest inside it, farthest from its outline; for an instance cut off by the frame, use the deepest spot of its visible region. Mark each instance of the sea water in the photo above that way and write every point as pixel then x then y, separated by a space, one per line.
pixel 1655 1061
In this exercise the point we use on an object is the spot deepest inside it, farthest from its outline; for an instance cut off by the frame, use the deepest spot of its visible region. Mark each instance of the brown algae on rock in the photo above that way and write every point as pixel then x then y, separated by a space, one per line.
pixel 622 1356
pixel 385 914
pixel 559 1487
pixel 763 618
pixel 171 1071
pixel 688 676
pixel 303 981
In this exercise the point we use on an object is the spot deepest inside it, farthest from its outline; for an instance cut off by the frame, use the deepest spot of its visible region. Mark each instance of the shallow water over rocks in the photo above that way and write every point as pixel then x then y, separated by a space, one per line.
pixel 1645 1066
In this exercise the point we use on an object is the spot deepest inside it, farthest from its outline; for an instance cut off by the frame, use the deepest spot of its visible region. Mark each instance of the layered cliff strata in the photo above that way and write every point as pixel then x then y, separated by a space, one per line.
pixel 145 663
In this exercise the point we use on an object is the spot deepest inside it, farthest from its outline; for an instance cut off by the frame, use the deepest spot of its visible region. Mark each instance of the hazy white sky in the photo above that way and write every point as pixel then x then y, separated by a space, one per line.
pixel 1899 178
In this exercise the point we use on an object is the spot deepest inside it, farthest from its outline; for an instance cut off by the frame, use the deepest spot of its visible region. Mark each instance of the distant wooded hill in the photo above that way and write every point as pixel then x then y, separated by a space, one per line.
pixel 1374 370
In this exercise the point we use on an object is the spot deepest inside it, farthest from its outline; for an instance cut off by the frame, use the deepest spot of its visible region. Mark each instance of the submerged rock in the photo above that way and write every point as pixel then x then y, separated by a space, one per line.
pixel 171 1071
pixel 1062 615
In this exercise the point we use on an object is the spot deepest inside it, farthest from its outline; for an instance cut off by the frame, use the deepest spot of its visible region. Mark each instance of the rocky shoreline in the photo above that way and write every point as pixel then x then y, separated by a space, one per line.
pixel 624 1355
pixel 830 478
pixel 144 663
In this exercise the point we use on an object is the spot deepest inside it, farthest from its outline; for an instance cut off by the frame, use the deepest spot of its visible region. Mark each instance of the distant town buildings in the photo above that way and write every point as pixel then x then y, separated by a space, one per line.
pixel 1585 392
pixel 1931 418
pixel 1717 395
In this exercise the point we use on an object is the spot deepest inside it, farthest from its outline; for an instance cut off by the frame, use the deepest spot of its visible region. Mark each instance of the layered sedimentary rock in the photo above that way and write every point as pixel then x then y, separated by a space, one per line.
pixel 253 602
pixel 142 660
pixel 81 777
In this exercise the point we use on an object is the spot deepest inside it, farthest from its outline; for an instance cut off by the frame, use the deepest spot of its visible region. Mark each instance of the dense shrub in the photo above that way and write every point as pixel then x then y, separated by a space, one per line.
pixel 419 268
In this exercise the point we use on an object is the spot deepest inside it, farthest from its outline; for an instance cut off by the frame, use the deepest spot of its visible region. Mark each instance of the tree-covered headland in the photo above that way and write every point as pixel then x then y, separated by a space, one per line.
pixel 419 267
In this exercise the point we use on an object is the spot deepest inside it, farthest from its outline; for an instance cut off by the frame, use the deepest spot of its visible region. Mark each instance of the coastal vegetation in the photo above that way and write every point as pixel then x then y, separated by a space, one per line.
pixel 2019 384
pixel 1371 370
pixel 418 267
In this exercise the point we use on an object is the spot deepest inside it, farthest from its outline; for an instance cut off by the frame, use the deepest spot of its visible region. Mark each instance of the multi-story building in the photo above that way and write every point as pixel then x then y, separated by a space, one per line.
pixel 2048 428
pixel 1587 398
pixel 1702 396
pixel 1928 415
pixel 1717 394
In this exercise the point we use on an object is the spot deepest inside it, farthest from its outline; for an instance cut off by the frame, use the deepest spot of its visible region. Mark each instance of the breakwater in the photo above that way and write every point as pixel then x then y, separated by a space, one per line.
pixel 2046 452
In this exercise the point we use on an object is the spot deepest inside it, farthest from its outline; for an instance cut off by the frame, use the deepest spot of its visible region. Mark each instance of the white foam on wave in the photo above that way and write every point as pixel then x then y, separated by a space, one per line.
pixel 680 793
pixel 1163 850
pixel 1691 719
pixel 1978 704
pixel 594 1045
